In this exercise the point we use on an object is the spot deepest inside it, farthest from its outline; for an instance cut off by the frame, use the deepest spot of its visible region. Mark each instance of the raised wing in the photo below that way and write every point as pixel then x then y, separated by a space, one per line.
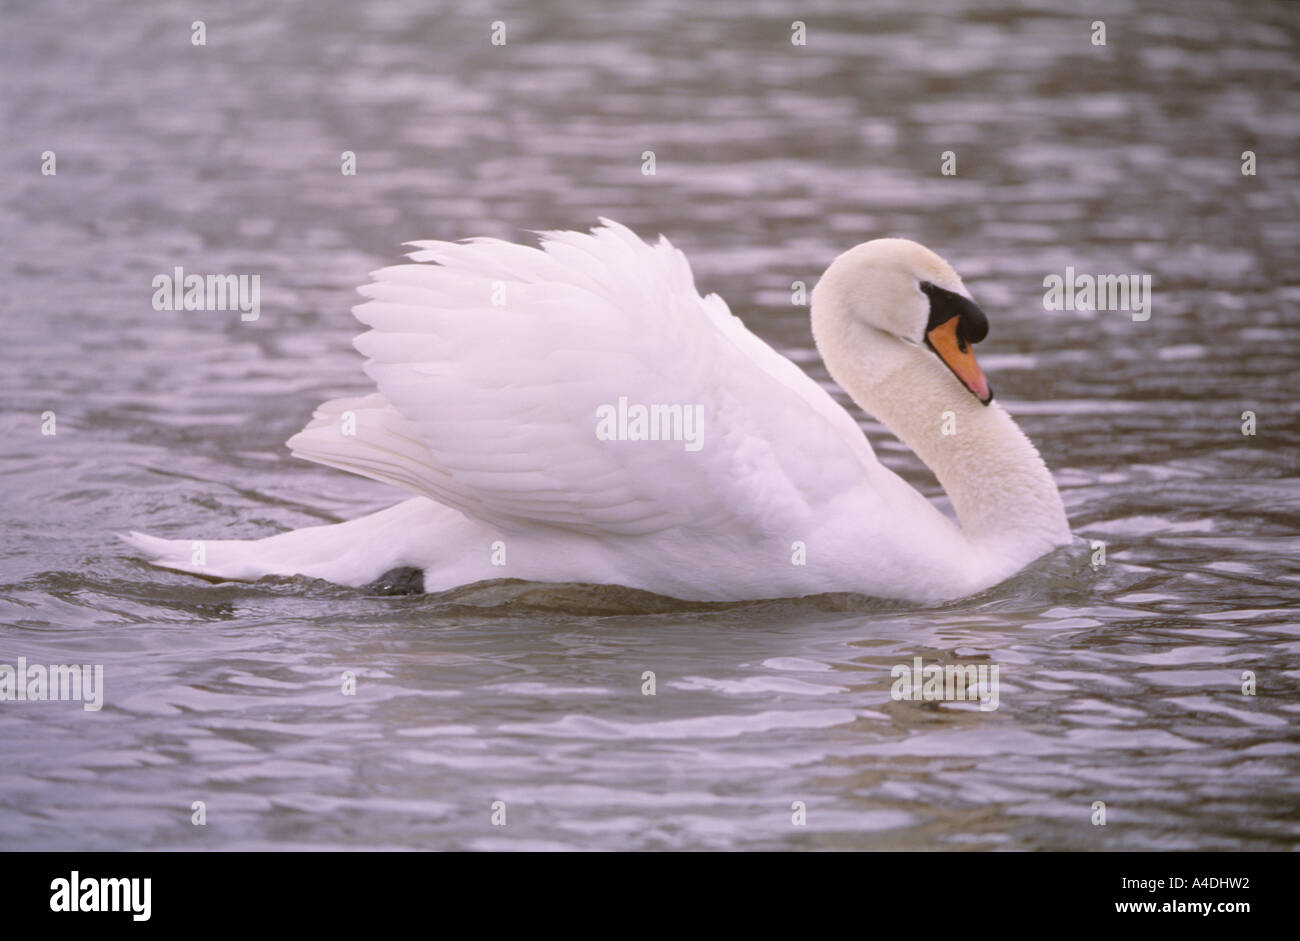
pixel 510 381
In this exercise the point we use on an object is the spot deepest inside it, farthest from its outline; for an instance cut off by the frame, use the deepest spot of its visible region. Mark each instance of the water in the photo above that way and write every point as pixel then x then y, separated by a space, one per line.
pixel 1120 685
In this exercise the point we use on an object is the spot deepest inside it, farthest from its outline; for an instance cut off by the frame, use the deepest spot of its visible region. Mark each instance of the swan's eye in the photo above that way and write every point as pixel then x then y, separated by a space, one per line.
pixel 972 325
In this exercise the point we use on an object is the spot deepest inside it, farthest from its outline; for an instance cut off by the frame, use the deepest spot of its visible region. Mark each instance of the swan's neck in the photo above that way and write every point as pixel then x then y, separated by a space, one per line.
pixel 1002 492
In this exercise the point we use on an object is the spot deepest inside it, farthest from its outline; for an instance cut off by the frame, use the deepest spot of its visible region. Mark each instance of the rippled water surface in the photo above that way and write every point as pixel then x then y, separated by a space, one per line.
pixel 1120 683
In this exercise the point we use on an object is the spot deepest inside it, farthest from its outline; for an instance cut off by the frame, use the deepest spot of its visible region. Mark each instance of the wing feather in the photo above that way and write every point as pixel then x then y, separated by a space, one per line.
pixel 491 364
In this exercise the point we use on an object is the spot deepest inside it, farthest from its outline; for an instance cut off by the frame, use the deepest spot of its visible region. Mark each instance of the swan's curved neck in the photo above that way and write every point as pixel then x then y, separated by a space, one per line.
pixel 1002 492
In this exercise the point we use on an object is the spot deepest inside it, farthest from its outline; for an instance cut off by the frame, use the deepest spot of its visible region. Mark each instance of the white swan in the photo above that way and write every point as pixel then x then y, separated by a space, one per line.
pixel 503 370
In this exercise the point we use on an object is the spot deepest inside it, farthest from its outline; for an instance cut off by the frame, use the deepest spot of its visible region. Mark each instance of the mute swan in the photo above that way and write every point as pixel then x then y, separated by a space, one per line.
pixel 517 395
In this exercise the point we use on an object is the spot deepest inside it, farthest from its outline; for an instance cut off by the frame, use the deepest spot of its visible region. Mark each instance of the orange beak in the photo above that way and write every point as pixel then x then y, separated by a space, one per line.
pixel 958 356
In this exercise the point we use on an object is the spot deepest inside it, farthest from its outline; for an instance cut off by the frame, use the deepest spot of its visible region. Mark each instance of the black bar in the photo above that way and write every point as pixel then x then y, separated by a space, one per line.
pixel 946 892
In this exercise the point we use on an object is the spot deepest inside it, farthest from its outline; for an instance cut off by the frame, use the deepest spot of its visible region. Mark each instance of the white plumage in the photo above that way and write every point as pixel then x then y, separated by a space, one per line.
pixel 491 368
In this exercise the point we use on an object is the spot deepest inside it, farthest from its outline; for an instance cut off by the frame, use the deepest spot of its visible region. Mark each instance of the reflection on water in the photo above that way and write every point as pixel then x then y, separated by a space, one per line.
pixel 1121 684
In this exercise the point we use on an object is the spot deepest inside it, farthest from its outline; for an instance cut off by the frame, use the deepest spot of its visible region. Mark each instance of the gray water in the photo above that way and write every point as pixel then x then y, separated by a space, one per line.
pixel 1120 683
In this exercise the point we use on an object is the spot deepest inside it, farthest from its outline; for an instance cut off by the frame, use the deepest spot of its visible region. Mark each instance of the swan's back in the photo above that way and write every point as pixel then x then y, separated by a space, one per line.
pixel 494 363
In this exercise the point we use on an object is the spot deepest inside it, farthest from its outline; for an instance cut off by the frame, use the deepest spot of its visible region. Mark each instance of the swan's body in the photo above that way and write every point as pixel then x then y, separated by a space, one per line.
pixel 495 368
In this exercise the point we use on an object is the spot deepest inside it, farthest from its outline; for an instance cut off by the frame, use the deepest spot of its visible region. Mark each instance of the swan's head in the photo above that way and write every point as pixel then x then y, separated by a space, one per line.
pixel 895 289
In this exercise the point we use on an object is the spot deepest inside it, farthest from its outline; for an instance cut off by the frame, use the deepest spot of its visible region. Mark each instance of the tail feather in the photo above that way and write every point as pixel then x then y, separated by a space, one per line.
pixel 354 553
